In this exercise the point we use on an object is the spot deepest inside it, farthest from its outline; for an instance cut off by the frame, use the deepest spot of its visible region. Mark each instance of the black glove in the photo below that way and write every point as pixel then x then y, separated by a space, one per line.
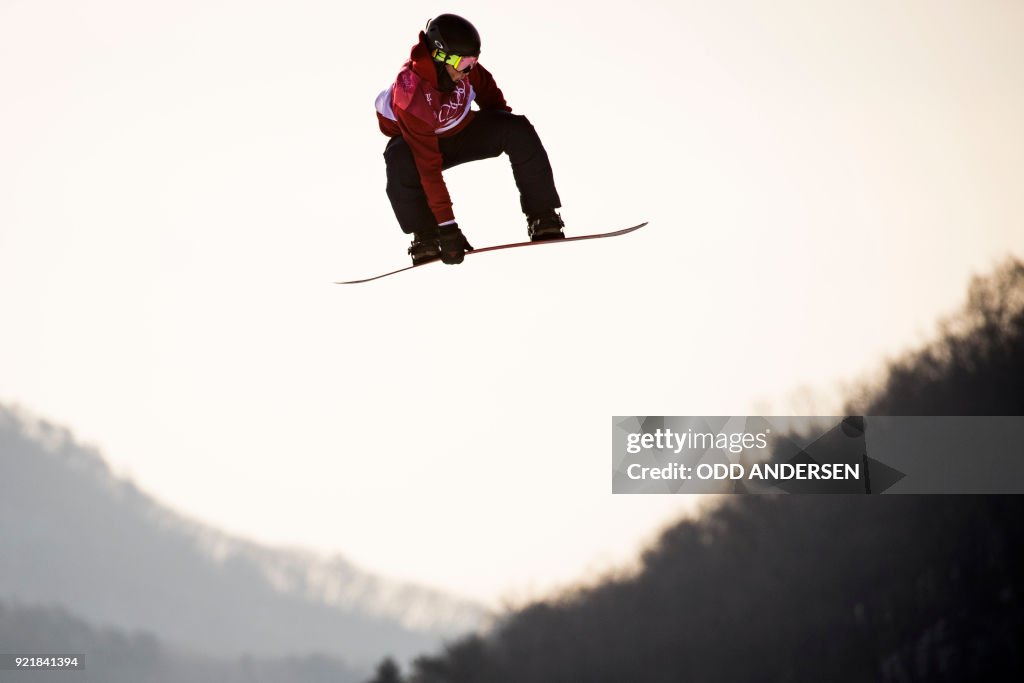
pixel 454 244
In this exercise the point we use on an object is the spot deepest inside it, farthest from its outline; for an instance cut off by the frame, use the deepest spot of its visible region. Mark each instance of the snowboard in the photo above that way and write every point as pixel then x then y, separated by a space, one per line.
pixel 496 247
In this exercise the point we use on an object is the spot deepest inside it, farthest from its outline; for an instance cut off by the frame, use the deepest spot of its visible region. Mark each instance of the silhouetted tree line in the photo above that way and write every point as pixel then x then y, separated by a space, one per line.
pixel 117 656
pixel 791 588
pixel 974 367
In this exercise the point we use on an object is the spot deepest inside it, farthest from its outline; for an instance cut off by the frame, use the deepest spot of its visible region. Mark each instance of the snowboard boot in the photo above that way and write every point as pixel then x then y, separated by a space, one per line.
pixel 425 247
pixel 545 226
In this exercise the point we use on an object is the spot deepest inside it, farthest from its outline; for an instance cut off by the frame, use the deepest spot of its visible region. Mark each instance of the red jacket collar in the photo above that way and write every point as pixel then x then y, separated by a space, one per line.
pixel 422 62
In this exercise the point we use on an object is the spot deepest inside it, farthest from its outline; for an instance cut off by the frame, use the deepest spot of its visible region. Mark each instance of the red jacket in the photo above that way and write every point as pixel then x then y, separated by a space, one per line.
pixel 413 108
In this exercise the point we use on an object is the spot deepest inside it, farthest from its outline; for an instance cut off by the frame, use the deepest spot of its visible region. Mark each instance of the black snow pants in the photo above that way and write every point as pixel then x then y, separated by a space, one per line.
pixel 489 134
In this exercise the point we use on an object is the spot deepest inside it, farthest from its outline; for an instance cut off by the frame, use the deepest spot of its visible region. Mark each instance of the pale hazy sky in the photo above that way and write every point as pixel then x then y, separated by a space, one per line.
pixel 181 182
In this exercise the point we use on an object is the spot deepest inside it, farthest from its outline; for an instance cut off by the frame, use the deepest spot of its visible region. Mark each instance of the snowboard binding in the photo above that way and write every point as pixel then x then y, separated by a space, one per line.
pixel 425 247
pixel 545 226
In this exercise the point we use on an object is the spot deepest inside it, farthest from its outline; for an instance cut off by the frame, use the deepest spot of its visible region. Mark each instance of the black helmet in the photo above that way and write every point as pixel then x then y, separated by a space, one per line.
pixel 454 35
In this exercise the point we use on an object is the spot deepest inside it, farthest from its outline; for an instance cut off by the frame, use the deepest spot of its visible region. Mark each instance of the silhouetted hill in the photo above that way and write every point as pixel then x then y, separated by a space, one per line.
pixel 115 656
pixel 974 367
pixel 73 535
pixel 791 588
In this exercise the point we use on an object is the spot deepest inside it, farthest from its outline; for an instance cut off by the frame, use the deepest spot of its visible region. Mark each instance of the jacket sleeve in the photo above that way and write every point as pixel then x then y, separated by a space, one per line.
pixel 488 94
pixel 419 135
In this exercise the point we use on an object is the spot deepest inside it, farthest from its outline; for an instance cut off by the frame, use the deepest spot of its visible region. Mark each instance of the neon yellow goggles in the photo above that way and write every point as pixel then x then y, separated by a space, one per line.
pixel 455 61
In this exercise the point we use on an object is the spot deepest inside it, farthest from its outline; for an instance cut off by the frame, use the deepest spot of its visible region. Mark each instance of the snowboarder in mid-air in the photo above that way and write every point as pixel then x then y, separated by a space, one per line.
pixel 427 115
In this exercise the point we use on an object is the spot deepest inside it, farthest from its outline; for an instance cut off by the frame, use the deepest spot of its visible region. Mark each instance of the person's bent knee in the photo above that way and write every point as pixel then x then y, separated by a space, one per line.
pixel 506 119
pixel 520 122
pixel 401 165
pixel 398 153
pixel 520 132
